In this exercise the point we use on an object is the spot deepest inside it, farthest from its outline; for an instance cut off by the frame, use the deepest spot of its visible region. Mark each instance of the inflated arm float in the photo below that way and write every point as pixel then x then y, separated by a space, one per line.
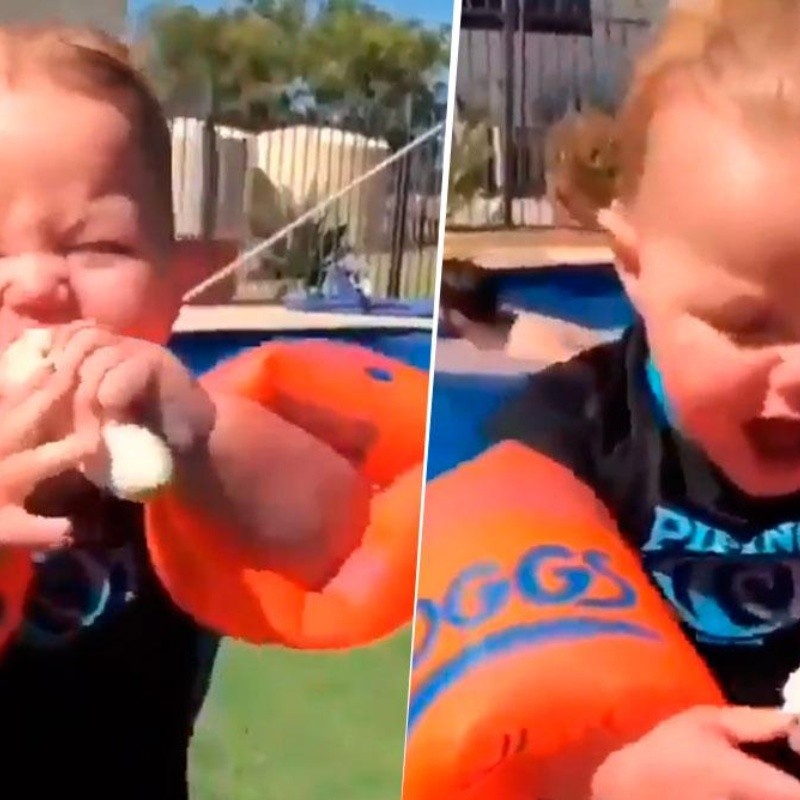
pixel 368 407
pixel 540 646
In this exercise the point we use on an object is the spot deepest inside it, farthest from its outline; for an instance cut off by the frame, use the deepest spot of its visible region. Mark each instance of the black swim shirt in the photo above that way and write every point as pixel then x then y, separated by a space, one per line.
pixel 99 691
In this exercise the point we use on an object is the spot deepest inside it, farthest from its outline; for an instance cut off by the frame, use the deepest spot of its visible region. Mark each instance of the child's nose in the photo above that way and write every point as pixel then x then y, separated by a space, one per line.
pixel 36 285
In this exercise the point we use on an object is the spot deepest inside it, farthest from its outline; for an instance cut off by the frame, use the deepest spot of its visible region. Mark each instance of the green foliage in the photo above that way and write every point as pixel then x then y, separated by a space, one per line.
pixel 470 153
pixel 268 209
pixel 373 72
pixel 266 63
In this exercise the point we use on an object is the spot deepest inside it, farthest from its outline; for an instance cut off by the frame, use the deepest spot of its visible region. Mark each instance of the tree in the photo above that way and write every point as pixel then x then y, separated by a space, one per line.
pixel 235 64
pixel 372 72
pixel 266 63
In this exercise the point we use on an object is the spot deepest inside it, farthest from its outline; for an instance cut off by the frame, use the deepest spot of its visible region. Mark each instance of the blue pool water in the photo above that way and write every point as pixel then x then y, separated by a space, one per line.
pixel 464 404
pixel 590 296
pixel 461 407
pixel 202 351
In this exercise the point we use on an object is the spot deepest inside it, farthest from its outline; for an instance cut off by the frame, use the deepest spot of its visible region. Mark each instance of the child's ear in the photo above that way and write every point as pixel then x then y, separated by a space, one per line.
pixel 616 221
pixel 194 260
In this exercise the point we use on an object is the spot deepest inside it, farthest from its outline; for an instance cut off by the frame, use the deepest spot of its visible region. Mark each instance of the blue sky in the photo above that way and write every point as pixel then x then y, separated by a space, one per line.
pixel 430 11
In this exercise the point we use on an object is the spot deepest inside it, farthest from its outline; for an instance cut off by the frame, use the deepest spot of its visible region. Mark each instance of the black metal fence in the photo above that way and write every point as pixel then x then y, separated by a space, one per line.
pixel 411 223
pixel 239 186
pixel 522 66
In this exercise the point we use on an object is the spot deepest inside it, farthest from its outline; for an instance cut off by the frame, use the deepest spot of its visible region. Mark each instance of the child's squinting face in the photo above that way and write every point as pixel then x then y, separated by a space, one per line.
pixel 80 236
pixel 716 230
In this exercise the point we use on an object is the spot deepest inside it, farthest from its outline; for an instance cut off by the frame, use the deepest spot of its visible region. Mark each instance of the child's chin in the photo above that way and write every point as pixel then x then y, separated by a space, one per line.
pixel 766 476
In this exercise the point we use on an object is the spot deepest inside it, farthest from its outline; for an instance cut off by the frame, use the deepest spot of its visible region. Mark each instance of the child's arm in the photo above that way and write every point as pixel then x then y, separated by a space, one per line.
pixel 298 522
pixel 289 503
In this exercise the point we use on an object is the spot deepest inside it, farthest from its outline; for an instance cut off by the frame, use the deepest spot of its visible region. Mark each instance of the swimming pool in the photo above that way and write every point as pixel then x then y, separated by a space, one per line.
pixel 589 295
pixel 203 350
pixel 462 404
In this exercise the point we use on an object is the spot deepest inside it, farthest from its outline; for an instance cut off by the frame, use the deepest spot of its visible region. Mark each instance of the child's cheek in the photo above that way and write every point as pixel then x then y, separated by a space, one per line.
pixel 710 382
pixel 120 296
pixel 724 394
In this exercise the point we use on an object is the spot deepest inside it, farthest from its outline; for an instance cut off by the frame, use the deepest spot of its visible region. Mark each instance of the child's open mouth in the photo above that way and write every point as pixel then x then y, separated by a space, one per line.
pixel 775 439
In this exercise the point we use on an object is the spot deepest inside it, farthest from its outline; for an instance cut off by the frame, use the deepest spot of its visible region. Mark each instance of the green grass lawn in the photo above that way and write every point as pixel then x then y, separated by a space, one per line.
pixel 281 725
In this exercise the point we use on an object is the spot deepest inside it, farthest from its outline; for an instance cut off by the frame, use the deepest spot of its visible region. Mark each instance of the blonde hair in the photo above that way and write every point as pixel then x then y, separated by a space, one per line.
pixel 88 61
pixel 747 51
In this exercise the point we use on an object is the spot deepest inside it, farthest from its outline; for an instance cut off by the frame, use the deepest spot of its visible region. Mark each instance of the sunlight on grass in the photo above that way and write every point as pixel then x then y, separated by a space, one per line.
pixel 281 725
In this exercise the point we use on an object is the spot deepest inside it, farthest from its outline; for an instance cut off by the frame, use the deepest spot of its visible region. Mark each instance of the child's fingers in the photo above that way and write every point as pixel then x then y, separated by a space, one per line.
pixel 20 529
pixel 20 472
pixel 24 422
pixel 64 334
pixel 74 347
pixel 128 382
pixel 93 372
pixel 14 394
pixel 743 724
pixel 173 407
pixel 59 381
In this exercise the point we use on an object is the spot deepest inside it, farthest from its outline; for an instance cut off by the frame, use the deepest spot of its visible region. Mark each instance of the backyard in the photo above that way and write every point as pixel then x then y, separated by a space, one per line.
pixel 281 725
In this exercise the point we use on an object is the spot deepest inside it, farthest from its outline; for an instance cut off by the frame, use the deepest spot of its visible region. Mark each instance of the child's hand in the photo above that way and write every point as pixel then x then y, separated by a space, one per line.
pixel 29 455
pixel 695 756
pixel 130 380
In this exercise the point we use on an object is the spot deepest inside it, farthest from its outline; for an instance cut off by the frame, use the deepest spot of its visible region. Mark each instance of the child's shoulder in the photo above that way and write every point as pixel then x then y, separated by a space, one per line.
pixel 565 409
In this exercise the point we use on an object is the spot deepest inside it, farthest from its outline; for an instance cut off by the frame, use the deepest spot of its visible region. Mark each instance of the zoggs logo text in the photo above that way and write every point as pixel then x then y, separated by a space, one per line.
pixel 545 576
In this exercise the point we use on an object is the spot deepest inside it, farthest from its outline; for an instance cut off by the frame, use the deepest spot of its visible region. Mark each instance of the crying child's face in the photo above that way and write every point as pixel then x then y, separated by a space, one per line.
pixel 717 249
pixel 80 236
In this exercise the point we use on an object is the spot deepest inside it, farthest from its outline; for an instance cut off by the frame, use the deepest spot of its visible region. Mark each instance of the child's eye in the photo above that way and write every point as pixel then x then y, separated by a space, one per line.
pixel 103 247
pixel 744 321
pixel 752 330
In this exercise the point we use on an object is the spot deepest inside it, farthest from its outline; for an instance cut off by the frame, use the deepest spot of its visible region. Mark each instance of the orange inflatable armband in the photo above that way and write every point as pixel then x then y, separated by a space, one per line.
pixel 540 645
pixel 371 409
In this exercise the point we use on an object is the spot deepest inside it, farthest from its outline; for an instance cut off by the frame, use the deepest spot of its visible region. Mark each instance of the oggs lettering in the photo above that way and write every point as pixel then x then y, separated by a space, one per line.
pixel 546 575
